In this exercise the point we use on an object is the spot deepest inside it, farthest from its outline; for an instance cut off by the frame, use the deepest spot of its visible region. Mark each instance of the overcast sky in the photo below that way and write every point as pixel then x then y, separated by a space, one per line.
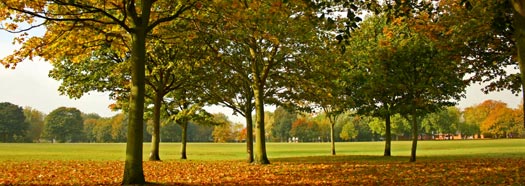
pixel 29 85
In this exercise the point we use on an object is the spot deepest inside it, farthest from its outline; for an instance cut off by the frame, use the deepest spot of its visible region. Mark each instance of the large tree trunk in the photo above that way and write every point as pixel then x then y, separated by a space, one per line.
pixel 414 137
pixel 155 138
pixel 184 138
pixel 133 172
pixel 519 27
pixel 388 136
pixel 260 141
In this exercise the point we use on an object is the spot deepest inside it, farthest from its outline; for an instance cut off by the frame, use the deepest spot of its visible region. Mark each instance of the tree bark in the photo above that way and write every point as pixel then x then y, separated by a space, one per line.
pixel 260 141
pixel 332 137
pixel 414 137
pixel 133 170
pixel 388 136
pixel 184 138
pixel 519 27
pixel 249 128
pixel 155 138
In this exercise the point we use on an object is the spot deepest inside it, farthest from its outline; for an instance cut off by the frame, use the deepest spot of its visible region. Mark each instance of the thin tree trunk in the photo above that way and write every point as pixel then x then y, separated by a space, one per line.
pixel 332 137
pixel 184 126
pixel 249 139
pixel 133 170
pixel 248 107
pixel 155 138
pixel 388 136
pixel 414 137
pixel 249 130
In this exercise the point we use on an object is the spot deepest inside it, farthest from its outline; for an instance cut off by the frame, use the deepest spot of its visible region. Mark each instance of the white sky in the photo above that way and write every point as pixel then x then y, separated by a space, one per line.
pixel 29 85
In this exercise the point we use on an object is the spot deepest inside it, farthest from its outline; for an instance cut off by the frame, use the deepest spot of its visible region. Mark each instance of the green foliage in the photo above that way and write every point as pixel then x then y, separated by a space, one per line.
pixel 64 125
pixel 13 126
pixel 223 132
pixel 444 121
pixel 283 120
pixel 35 119
pixel 348 132
pixel 486 38
pixel 400 126
pixel 253 39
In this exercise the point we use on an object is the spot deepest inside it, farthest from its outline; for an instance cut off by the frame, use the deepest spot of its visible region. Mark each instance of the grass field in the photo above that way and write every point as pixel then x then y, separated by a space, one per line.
pixel 469 162
pixel 236 151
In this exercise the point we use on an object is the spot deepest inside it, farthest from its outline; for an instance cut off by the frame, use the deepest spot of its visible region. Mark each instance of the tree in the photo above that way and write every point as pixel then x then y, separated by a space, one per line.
pixel 183 106
pixel 321 86
pixel 201 132
pixel 519 36
pixel 64 125
pixel 233 92
pixel 442 122
pixel 493 118
pixel 304 129
pixel 223 132
pixel 90 122
pixel 74 29
pixel 367 78
pixel 170 132
pixel 249 30
pixel 348 132
pixel 239 132
pixel 282 124
pixel 171 67
pixel 35 119
pixel 268 124
pixel 430 80
pixel 416 75
pixel 102 131
pixel 325 130
pixel 499 122
pixel 12 122
pixel 119 127
pixel 399 126
pixel 491 37
pixel 517 130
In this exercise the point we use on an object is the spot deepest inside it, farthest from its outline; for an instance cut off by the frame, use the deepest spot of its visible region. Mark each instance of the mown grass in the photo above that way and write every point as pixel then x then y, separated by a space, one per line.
pixel 504 148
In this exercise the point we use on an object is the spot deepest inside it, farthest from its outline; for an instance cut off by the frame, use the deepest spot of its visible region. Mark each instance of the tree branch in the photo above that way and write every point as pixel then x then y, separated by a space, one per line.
pixel 170 18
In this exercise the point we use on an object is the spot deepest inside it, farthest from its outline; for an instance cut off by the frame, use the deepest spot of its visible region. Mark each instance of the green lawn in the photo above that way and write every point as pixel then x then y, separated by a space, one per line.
pixel 236 151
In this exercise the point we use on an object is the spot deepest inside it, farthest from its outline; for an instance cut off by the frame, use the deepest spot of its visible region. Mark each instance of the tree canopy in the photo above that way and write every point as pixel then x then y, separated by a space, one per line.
pixel 12 123
pixel 64 125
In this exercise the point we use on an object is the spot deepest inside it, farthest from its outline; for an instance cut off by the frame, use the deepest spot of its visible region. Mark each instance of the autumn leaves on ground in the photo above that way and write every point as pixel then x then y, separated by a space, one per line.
pixel 338 170
pixel 452 162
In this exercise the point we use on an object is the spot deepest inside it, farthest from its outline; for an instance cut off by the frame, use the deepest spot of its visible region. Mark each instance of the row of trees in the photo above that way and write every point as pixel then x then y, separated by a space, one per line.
pixel 490 119
pixel 64 124
pixel 408 57
pixel 19 125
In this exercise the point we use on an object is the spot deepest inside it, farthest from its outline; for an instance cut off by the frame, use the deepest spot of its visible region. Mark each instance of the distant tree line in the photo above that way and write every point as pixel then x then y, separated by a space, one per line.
pixel 490 119
pixel 65 124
